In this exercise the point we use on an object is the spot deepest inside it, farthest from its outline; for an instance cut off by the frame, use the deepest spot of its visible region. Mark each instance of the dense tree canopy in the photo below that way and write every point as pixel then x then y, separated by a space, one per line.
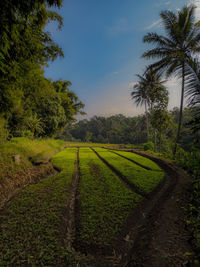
pixel 29 103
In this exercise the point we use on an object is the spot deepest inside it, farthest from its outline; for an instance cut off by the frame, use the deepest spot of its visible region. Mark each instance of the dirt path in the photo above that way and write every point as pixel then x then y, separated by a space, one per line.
pixel 162 239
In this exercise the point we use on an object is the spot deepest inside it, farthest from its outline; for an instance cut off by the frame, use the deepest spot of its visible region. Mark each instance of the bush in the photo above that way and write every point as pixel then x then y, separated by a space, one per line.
pixel 148 146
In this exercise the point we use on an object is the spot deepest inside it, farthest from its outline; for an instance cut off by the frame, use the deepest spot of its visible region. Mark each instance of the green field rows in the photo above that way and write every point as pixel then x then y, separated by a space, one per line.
pixel 105 202
pixel 31 228
pixel 30 225
pixel 139 159
pixel 145 180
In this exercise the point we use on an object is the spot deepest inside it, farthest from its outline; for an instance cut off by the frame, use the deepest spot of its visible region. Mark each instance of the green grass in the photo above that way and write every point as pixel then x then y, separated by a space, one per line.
pixel 30 229
pixel 139 159
pixel 38 150
pixel 105 202
pixel 144 179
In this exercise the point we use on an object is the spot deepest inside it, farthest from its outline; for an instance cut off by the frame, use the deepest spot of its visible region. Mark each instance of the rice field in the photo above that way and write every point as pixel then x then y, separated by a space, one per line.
pixel 33 228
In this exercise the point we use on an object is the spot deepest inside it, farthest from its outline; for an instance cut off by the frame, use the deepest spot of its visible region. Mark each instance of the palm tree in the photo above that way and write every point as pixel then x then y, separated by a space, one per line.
pixel 174 51
pixel 146 90
pixel 35 125
pixel 193 82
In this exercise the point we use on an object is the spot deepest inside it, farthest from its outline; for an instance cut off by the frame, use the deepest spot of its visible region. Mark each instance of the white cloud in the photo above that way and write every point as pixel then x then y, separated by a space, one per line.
pixel 158 4
pixel 154 24
pixel 173 86
pixel 114 73
pixel 197 11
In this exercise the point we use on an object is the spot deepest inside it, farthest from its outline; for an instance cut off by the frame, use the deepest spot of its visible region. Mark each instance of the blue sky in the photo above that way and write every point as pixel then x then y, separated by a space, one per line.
pixel 102 43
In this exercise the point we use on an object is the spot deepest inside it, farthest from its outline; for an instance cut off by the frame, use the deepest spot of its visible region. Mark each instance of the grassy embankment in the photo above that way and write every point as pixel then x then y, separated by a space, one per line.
pixel 17 160
pixel 145 180
pixel 105 202
pixel 31 232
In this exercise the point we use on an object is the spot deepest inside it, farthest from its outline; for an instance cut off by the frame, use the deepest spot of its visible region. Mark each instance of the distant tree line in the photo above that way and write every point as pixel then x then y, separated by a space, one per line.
pixel 119 129
pixel 30 104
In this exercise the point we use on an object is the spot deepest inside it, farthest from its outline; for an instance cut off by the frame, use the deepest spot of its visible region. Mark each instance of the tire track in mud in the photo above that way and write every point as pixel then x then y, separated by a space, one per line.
pixel 121 176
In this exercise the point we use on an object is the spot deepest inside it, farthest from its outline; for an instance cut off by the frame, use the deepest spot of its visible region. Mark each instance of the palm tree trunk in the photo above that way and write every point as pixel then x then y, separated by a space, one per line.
pixel 147 121
pixel 181 109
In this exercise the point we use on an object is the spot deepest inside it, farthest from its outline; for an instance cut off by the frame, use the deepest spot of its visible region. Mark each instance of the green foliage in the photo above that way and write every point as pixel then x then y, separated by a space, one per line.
pixel 144 179
pixel 35 150
pixel 3 130
pixel 116 129
pixel 148 146
pixel 35 125
pixel 173 50
pixel 105 202
pixel 29 101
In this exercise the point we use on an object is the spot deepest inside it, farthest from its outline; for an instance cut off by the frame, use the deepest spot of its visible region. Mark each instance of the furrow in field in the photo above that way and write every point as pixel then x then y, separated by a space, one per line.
pixel 104 204
pixel 31 229
pixel 69 212
pixel 123 178
pixel 145 181
pixel 138 160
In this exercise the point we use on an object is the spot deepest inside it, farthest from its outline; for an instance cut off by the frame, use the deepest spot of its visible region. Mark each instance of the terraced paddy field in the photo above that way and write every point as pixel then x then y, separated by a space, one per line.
pixel 83 215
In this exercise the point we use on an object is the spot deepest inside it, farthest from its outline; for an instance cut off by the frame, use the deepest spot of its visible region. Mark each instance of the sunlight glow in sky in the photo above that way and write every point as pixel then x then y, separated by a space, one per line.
pixel 102 43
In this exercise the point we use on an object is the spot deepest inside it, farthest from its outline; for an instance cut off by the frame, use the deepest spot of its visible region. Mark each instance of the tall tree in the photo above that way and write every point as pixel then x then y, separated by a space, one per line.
pixel 146 91
pixel 174 50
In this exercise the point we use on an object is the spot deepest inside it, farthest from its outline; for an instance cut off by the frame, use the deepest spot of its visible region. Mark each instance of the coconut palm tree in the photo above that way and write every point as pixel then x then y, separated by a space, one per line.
pixel 146 91
pixel 193 82
pixel 175 49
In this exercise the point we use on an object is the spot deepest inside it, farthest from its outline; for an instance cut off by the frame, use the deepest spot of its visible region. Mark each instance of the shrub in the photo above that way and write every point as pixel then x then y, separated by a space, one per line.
pixel 148 146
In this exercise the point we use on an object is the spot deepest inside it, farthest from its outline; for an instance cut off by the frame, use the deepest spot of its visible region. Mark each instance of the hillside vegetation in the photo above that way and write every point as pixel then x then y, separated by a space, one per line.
pixel 18 159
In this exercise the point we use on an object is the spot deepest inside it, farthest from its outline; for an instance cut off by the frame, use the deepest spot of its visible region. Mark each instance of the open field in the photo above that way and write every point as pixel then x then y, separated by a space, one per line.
pixel 86 214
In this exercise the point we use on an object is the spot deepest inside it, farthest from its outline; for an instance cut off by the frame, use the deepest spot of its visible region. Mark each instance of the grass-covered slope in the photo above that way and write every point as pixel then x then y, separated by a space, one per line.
pixel 30 225
pixel 145 180
pixel 105 202
pixel 16 162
